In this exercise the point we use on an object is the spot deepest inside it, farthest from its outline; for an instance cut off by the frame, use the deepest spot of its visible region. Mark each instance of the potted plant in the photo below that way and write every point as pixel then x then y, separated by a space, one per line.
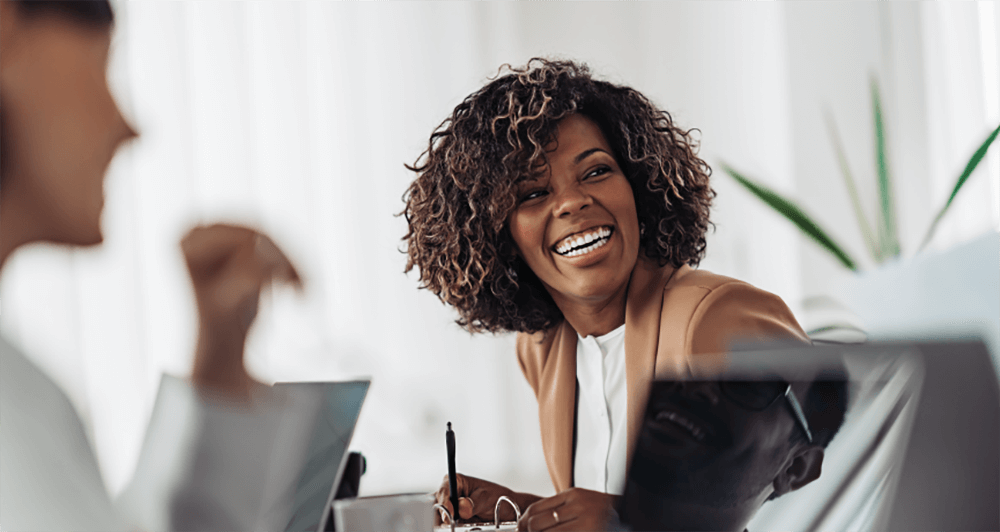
pixel 881 237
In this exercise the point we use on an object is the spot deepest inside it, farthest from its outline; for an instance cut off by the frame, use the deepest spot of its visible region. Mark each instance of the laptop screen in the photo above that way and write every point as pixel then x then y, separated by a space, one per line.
pixel 327 452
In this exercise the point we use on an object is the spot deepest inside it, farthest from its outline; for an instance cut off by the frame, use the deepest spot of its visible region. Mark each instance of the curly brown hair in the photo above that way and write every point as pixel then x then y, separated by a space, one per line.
pixel 457 207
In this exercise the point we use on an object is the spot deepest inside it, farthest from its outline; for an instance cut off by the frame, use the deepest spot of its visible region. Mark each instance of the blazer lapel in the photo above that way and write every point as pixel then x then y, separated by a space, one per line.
pixel 558 406
pixel 642 330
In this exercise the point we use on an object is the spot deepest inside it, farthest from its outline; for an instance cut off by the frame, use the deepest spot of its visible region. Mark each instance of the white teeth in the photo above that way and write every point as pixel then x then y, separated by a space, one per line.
pixel 574 245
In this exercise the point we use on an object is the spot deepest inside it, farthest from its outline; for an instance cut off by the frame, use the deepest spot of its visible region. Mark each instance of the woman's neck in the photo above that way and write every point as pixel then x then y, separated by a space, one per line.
pixel 594 317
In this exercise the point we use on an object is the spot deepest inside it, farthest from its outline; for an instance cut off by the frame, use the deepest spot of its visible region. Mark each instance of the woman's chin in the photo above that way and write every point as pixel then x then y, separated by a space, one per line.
pixel 95 240
pixel 596 284
pixel 81 236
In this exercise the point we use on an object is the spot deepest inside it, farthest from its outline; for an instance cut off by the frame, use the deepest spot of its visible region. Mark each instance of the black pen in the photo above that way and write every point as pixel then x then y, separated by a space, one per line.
pixel 449 437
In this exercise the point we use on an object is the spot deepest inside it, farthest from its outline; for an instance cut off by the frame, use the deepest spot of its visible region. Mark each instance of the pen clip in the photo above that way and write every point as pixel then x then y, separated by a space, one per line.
pixel 496 510
pixel 440 507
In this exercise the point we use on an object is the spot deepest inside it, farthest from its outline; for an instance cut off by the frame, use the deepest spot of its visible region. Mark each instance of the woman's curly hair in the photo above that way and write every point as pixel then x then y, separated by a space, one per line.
pixel 466 188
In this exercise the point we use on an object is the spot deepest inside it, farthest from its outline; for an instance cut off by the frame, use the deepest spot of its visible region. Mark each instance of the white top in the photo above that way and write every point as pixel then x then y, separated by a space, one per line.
pixel 601 413
pixel 204 465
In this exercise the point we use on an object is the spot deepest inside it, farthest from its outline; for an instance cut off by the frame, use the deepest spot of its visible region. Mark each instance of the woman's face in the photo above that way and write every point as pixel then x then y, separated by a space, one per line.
pixel 575 225
pixel 61 124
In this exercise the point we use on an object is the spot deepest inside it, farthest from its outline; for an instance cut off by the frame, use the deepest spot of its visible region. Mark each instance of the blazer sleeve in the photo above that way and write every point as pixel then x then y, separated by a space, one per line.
pixel 737 312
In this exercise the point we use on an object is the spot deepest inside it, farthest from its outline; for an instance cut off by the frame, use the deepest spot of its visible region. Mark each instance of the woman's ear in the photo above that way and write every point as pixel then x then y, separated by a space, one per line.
pixel 802 468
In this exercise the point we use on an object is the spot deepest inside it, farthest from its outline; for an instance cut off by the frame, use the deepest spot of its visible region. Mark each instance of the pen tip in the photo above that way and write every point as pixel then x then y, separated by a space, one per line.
pixel 449 425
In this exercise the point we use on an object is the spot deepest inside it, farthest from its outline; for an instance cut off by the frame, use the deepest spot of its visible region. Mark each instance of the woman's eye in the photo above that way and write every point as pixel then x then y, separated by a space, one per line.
pixel 597 172
pixel 532 194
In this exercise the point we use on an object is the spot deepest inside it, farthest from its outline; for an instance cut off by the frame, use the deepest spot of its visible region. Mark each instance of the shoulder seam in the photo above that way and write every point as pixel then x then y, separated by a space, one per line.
pixel 710 288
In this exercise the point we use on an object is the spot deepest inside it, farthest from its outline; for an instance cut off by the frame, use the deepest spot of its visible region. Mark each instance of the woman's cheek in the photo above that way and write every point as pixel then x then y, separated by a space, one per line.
pixel 527 233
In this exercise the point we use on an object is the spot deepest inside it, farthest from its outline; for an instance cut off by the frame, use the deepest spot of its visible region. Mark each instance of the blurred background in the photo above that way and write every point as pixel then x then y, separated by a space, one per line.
pixel 297 117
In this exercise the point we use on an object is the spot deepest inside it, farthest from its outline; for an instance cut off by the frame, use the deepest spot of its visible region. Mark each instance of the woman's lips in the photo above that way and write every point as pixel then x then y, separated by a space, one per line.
pixel 584 242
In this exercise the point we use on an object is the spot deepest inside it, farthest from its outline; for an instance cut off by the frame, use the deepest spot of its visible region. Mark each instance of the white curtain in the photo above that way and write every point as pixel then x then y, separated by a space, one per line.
pixel 297 117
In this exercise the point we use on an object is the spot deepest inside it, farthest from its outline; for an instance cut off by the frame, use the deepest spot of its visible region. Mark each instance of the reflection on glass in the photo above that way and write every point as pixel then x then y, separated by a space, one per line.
pixel 714 450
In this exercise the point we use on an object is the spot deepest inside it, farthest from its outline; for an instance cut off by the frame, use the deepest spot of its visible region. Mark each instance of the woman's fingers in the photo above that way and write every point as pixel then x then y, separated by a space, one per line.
pixel 476 499
pixel 573 509
pixel 479 504
pixel 443 495
pixel 466 508
pixel 229 265
pixel 208 247
pixel 548 504
pixel 541 520
pixel 547 521
pixel 274 263
pixel 544 514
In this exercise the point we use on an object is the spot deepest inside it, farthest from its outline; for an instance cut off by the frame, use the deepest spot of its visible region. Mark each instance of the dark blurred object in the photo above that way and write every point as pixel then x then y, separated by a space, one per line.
pixel 94 12
pixel 951 474
pixel 350 483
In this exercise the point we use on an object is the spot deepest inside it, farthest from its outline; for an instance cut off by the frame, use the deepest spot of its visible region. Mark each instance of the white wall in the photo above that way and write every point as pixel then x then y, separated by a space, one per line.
pixel 298 117
pixel 937 93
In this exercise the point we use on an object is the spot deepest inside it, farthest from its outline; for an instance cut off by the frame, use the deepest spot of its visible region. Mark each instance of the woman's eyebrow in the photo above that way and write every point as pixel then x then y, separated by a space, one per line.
pixel 587 153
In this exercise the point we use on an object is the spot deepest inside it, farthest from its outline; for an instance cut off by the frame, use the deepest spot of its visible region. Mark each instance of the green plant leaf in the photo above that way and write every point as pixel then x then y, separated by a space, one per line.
pixel 969 168
pixel 852 190
pixel 795 215
pixel 887 226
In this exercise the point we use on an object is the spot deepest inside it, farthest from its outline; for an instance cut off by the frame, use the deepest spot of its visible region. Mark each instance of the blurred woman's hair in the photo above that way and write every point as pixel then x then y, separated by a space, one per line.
pixel 465 190
pixel 92 12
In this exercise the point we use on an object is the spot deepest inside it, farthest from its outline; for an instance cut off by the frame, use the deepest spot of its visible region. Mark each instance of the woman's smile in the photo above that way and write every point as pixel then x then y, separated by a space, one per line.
pixel 584 242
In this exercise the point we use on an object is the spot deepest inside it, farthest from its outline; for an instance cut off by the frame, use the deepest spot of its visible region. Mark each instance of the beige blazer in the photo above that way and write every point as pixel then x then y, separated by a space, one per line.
pixel 670 315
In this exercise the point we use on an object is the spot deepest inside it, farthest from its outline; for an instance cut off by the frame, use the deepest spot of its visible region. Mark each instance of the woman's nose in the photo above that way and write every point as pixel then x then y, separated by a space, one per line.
pixel 571 200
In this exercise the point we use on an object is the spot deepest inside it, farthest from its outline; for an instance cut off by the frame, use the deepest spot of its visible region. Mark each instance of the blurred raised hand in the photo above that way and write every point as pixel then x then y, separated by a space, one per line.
pixel 229 266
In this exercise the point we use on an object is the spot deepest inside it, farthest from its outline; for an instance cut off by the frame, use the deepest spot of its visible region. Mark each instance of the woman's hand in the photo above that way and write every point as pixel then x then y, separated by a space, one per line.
pixel 229 265
pixel 574 509
pixel 478 499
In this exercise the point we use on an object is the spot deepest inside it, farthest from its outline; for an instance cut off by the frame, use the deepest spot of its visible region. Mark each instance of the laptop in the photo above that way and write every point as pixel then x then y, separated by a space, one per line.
pixel 326 454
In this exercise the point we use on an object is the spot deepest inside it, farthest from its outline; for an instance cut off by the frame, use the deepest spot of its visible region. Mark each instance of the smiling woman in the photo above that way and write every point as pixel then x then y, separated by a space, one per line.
pixel 571 211
pixel 493 152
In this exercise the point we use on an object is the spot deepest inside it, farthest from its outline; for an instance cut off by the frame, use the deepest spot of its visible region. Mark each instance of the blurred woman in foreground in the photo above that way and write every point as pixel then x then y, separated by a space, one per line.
pixel 572 211
pixel 59 129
